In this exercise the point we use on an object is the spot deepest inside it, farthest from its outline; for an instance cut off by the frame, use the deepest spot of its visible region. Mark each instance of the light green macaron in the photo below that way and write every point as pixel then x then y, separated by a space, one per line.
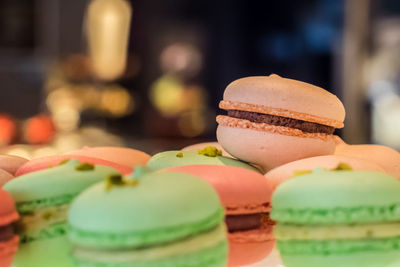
pixel 160 219
pixel 206 156
pixel 42 199
pixel 338 218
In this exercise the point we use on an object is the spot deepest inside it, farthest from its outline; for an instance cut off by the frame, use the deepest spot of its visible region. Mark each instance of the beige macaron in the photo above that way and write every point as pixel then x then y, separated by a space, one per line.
pixel 272 120
pixel 386 157
pixel 11 163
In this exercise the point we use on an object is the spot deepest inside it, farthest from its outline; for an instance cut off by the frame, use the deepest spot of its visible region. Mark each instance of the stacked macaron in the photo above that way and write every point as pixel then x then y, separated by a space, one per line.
pixel 338 218
pixel 159 219
pixel 42 199
pixel 271 120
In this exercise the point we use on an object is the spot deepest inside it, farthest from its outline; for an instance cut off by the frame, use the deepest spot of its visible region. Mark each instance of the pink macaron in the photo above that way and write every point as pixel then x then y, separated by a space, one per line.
pixel 288 171
pixel 46 162
pixel 121 155
pixel 246 197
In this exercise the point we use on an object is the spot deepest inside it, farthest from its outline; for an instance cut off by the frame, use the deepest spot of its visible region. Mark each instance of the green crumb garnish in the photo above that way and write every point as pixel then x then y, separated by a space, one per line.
pixel 63 162
pixel 179 155
pixel 84 167
pixel 50 166
pixel 47 215
pixel 118 180
pixel 301 172
pixel 210 151
pixel 343 167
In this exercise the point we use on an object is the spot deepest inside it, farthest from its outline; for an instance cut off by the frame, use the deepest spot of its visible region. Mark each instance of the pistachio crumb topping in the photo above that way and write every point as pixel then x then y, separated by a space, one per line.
pixel 47 215
pixel 343 167
pixel 118 180
pixel 179 155
pixel 301 172
pixel 340 167
pixel 50 166
pixel 63 162
pixel 210 151
pixel 84 167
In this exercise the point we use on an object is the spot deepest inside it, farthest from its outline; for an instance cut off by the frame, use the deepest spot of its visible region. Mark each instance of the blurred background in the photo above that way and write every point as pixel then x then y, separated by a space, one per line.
pixel 149 74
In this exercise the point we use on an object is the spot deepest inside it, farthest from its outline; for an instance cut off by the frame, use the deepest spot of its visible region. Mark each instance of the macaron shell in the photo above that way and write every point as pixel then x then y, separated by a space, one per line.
pixel 46 162
pixel 8 214
pixel 196 147
pixel 123 156
pixel 5 177
pixel 248 252
pixel 11 163
pixel 387 158
pixel 287 171
pixel 7 251
pixel 270 150
pixel 276 92
pixel 241 191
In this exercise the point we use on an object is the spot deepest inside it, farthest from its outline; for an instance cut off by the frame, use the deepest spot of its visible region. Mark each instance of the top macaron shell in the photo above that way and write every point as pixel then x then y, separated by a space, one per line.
pixel 8 213
pixel 161 207
pixel 169 159
pixel 274 91
pixel 241 191
pixel 121 155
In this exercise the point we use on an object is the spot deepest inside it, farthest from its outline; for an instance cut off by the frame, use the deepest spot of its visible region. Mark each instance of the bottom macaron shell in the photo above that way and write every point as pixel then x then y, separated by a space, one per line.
pixel 209 257
pixel 268 149
pixel 249 246
pixel 43 253
pixel 363 259
pixel 7 251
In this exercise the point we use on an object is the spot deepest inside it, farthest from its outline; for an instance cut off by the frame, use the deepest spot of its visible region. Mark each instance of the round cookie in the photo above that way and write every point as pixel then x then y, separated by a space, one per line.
pixel 8 239
pixel 207 156
pixel 5 177
pixel 246 196
pixel 386 157
pixel 50 161
pixel 42 199
pixel 272 120
pixel 120 155
pixel 159 219
pixel 338 218
pixel 290 170
pixel 200 146
pixel 11 163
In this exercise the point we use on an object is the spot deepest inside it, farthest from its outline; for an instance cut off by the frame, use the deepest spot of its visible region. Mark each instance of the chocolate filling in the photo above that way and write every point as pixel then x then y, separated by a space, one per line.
pixel 305 126
pixel 6 232
pixel 246 222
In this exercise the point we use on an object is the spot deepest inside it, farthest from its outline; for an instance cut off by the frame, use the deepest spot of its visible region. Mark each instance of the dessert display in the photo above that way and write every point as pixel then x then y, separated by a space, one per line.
pixel 338 218
pixel 158 219
pixel 8 238
pixel 246 197
pixel 120 155
pixel 271 120
pixel 42 199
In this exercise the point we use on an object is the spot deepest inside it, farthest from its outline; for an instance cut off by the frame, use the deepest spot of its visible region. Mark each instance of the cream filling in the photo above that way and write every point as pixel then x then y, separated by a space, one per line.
pixel 357 231
pixel 32 224
pixel 202 241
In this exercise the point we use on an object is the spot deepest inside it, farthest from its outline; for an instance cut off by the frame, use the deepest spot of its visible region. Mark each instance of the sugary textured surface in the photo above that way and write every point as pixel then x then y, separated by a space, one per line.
pixel 51 161
pixel 5 177
pixel 387 158
pixel 275 92
pixel 8 214
pixel 162 207
pixel 170 159
pixel 196 147
pixel 54 185
pixel 268 149
pixel 285 172
pixel 11 163
pixel 337 197
pixel 241 191
pixel 121 155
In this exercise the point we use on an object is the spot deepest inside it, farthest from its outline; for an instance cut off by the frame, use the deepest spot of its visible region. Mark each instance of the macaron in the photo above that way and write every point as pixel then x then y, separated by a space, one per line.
pixel 8 239
pixel 290 170
pixel 11 163
pixel 5 177
pixel 386 157
pixel 127 157
pixel 50 161
pixel 200 146
pixel 338 218
pixel 42 200
pixel 271 120
pixel 246 197
pixel 206 156
pixel 159 219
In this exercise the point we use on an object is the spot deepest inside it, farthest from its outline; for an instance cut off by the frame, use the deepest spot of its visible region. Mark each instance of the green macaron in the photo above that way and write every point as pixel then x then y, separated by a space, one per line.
pixel 206 156
pixel 42 199
pixel 338 218
pixel 160 219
